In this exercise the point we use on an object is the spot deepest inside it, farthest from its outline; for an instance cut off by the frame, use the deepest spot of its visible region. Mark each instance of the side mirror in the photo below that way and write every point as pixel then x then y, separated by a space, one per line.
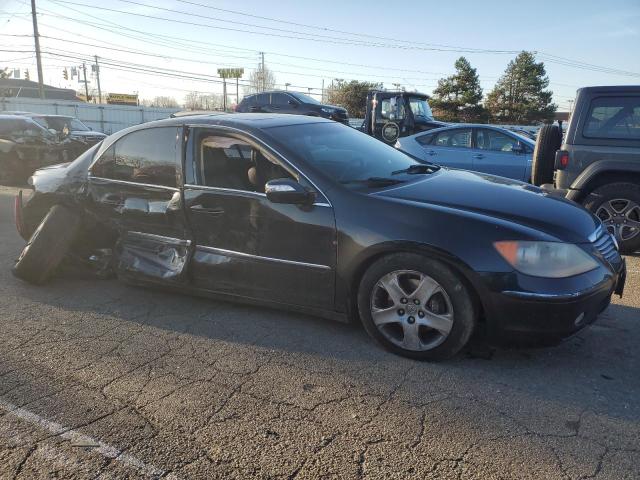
pixel 52 131
pixel 285 190
pixel 293 103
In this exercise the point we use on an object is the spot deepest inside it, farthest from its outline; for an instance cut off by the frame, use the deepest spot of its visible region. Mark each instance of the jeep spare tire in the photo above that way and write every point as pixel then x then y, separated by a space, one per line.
pixel 544 154
pixel 48 245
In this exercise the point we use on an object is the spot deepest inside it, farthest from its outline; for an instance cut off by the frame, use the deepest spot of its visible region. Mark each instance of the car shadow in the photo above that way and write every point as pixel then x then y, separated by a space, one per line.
pixel 601 359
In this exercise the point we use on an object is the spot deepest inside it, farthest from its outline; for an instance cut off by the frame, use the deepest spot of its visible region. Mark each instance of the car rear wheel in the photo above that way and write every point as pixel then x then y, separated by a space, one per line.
pixel 48 245
pixel 548 141
pixel 618 206
pixel 416 307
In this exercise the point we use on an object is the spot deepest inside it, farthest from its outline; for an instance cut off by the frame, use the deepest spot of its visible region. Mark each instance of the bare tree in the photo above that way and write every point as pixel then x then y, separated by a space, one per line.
pixel 260 80
pixel 161 102
pixel 4 72
pixel 202 101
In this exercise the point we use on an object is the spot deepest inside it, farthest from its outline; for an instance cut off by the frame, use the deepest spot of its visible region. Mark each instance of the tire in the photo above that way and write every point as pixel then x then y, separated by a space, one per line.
pixel 453 300
pixel 544 154
pixel 47 246
pixel 615 198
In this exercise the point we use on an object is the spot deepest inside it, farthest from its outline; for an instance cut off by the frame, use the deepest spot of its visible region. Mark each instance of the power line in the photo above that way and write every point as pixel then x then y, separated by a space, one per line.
pixel 312 37
pixel 468 49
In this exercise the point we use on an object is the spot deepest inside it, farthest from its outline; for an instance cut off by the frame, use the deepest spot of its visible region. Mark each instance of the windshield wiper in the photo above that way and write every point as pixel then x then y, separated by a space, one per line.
pixel 417 168
pixel 375 181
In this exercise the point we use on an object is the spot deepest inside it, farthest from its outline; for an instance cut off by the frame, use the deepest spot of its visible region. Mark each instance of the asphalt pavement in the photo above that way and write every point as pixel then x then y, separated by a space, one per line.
pixel 102 380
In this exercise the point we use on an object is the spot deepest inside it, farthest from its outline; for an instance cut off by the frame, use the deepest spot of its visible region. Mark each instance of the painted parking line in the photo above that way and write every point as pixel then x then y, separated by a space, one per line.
pixel 79 439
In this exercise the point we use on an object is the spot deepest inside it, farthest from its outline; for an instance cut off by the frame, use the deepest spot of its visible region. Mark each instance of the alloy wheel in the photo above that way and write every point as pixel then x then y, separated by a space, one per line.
pixel 412 310
pixel 621 216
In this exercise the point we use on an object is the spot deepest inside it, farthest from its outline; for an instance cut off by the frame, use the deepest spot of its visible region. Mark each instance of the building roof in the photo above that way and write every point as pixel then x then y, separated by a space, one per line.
pixel 14 87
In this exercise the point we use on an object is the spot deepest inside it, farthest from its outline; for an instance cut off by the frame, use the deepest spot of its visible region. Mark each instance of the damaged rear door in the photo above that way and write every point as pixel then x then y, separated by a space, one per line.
pixel 133 185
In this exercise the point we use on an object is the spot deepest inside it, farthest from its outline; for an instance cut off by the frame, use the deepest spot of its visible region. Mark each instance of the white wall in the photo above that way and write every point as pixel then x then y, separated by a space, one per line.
pixel 102 118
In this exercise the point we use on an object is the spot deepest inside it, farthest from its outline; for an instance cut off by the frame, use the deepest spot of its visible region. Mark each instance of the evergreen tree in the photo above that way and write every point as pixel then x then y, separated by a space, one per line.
pixel 519 95
pixel 457 98
pixel 350 95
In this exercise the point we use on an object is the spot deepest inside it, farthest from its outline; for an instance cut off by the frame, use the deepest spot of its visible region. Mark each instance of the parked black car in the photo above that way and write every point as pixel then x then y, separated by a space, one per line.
pixel 597 163
pixel 81 136
pixel 294 103
pixel 307 214
pixel 26 146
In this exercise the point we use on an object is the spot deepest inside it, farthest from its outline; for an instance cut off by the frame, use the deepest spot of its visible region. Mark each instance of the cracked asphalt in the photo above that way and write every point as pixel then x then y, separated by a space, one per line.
pixel 102 380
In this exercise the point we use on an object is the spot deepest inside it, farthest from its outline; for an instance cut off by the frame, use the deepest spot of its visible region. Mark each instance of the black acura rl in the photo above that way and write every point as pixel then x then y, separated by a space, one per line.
pixel 308 214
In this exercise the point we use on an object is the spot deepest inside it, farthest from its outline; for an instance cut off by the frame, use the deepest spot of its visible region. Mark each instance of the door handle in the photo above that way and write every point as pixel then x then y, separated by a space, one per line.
pixel 209 211
pixel 478 155
pixel 431 153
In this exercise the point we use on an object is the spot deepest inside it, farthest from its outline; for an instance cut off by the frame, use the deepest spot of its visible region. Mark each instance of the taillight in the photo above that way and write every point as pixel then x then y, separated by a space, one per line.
pixel 562 159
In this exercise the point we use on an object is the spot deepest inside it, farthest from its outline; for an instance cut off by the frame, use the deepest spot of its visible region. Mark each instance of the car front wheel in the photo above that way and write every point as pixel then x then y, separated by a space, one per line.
pixel 416 307
pixel 618 206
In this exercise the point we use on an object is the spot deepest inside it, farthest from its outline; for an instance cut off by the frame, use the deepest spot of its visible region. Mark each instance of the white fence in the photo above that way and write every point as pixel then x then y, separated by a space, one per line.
pixel 103 118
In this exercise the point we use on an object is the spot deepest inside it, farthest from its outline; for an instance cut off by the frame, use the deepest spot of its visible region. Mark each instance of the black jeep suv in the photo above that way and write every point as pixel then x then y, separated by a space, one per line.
pixel 597 163
pixel 295 103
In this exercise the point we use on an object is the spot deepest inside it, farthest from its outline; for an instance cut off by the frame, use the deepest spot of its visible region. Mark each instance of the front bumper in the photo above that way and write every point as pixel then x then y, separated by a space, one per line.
pixel 550 308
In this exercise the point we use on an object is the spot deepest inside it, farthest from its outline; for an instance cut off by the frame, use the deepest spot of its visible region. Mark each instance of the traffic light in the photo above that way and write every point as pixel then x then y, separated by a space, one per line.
pixel 65 74
pixel 26 74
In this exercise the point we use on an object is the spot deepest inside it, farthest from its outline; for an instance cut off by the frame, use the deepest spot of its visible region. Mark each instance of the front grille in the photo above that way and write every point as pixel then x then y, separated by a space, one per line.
pixel 607 248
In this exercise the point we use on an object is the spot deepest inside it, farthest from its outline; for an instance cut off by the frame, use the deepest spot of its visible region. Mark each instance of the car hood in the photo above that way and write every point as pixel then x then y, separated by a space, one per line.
pixel 501 198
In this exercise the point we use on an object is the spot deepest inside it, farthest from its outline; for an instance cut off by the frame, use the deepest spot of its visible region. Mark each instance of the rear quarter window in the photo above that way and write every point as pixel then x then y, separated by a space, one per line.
pixel 425 139
pixel 613 118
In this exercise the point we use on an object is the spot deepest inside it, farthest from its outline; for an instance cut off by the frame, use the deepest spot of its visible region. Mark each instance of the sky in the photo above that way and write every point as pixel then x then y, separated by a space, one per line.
pixel 582 43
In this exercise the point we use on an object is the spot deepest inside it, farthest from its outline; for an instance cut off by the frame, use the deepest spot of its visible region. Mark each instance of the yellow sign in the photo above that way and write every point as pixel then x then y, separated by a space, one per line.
pixel 122 99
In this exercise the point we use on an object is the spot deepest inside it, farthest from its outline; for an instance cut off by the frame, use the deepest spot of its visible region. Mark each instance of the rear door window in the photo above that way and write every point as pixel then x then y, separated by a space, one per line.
pixel 614 118
pixel 460 138
pixel 145 156
pixel 279 99
pixel 425 139
pixel 262 99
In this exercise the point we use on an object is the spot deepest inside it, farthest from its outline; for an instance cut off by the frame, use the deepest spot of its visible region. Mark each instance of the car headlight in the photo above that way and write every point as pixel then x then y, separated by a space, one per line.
pixel 546 259
pixel 327 110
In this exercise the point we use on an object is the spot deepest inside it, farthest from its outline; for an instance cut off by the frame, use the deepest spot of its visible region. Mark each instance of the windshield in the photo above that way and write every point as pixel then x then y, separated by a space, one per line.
pixel 420 108
pixel 341 153
pixel 58 123
pixel 304 98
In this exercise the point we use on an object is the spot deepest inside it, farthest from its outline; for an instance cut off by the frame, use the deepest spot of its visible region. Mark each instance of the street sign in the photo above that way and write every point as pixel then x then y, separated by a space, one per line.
pixel 122 99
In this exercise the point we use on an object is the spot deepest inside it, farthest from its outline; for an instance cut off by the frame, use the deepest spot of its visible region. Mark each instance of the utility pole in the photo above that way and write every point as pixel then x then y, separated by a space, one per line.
pixel 36 38
pixel 322 93
pixel 237 92
pixel 98 79
pixel 86 86
pixel 224 94
pixel 262 74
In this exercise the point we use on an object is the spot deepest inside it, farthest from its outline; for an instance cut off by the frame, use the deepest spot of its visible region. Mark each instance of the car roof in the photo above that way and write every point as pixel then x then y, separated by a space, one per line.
pixel 611 88
pixel 15 116
pixel 241 120
pixel 33 114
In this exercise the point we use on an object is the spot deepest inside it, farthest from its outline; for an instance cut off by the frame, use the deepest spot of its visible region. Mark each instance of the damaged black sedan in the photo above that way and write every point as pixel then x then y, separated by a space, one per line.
pixel 307 214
